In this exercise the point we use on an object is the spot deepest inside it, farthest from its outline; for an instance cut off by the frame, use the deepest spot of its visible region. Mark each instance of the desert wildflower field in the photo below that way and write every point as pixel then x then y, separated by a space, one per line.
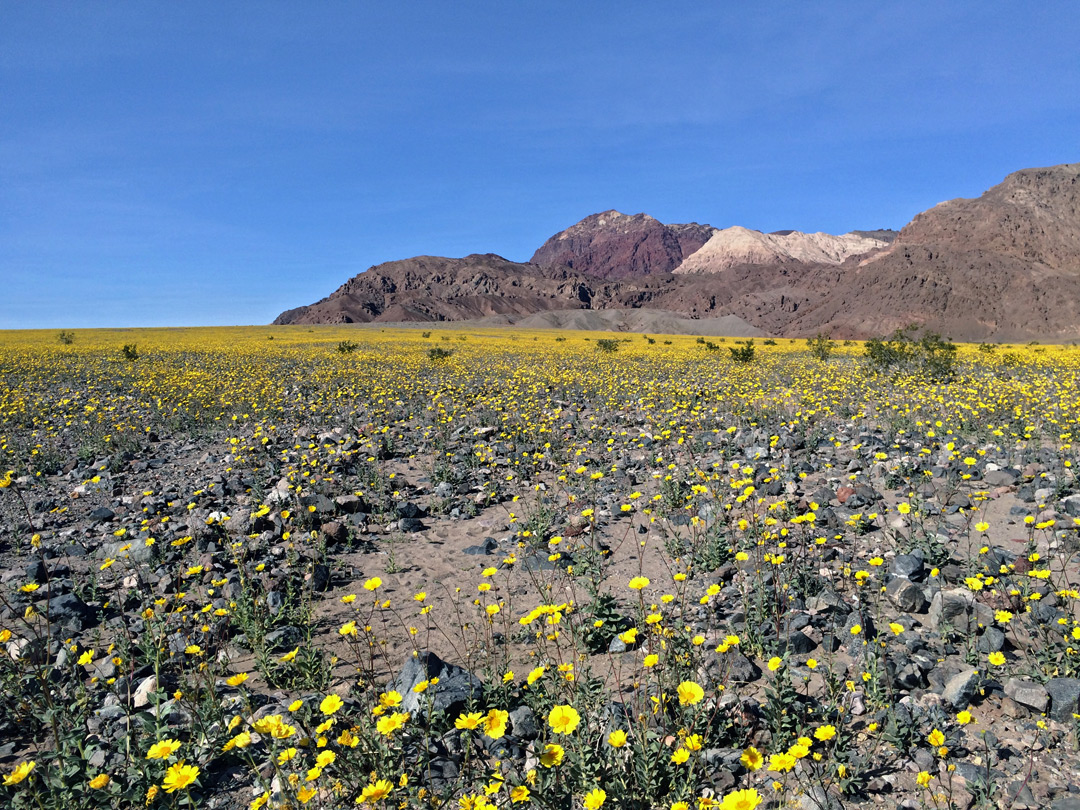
pixel 285 567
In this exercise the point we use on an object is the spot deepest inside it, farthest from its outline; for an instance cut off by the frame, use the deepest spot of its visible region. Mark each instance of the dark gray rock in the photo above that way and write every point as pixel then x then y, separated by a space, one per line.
pixel 960 688
pixel 1028 694
pixel 955 608
pixel 798 643
pixel 320 577
pixel 867 632
pixel 741 669
pixel 1000 478
pixel 408 524
pixel 1064 698
pixel 905 595
pixel 455 688
pixel 1071 505
pixel 351 504
pixel 69 609
pixel 909 676
pixel 910 566
pixel 323 505
pixel 488 546
pixel 408 509
pixel 991 640
pixel 827 600
pixel 284 638
pixel 442 772
pixel 523 723
pixel 101 514
pixel 799 621
pixel 972 773
pixel 37 572
pixel 541 562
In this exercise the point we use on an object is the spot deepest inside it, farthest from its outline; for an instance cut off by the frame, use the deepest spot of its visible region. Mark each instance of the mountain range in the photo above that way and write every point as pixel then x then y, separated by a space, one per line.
pixel 1004 266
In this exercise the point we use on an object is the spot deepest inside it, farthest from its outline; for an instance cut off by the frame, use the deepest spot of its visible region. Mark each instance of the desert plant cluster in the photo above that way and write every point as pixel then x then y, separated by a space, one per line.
pixel 291 567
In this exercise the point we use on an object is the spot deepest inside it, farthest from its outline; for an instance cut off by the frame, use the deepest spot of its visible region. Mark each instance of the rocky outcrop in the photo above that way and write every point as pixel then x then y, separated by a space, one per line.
pixel 1003 266
pixel 735 246
pixel 434 288
pixel 611 245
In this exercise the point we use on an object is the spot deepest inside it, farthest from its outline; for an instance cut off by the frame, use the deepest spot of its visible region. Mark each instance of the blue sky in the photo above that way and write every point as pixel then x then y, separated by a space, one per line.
pixel 215 163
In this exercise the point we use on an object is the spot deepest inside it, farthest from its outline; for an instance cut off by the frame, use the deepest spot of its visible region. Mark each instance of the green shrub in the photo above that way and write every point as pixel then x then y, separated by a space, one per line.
pixel 820 346
pixel 743 353
pixel 930 355
pixel 607 345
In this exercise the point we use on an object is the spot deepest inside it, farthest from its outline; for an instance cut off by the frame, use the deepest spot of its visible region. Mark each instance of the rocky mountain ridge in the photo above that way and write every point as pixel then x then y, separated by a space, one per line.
pixel 1003 266
pixel 737 245
pixel 615 245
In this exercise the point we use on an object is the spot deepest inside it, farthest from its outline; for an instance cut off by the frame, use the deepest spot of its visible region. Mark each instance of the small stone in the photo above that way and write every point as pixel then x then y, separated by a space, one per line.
pixel 488 546
pixel 741 669
pixel 909 676
pixel 134 550
pixel 36 572
pixel 905 595
pixel 1064 698
pixel 798 643
pixel 523 723
pixel 70 609
pixel 1000 478
pixel 991 640
pixel 411 525
pixel 101 514
pixel 817 798
pixel 455 688
pixel 1028 694
pixel 908 566
pixel 283 639
pixel 141 696
pixel 960 688
pixel 320 577
pixel 350 504
pixel 408 509
pixel 952 607
pixel 335 532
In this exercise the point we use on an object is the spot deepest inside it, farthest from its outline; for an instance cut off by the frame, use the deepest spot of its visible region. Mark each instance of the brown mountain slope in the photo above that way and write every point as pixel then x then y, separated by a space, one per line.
pixel 431 288
pixel 611 245
pixel 1003 266
pixel 434 288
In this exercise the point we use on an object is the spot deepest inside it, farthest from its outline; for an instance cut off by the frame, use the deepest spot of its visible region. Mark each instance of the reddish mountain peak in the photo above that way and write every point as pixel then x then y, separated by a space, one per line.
pixel 613 245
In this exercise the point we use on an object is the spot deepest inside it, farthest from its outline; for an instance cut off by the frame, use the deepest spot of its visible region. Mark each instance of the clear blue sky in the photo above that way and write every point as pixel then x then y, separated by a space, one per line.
pixel 217 162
